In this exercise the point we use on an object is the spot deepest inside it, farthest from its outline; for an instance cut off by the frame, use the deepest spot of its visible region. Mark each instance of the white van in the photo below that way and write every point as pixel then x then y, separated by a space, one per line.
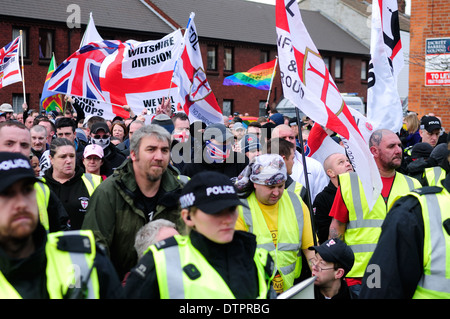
pixel 355 102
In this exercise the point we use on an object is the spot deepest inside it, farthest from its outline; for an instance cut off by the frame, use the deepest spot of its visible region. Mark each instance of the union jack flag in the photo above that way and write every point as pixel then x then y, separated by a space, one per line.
pixel 79 74
pixel 9 63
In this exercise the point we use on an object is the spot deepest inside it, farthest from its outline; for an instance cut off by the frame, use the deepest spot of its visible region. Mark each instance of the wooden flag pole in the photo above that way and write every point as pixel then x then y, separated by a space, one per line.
pixel 23 74
pixel 271 81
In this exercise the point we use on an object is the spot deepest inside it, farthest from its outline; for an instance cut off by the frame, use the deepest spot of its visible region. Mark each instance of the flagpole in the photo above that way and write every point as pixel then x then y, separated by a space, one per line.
pixel 23 74
pixel 271 80
pixel 305 173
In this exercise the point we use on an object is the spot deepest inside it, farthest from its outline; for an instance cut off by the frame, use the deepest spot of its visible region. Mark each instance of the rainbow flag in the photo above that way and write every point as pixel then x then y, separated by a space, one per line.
pixel 51 101
pixel 259 77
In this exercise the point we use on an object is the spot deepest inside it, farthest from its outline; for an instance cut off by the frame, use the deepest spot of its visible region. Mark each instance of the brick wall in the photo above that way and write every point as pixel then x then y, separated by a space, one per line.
pixel 429 19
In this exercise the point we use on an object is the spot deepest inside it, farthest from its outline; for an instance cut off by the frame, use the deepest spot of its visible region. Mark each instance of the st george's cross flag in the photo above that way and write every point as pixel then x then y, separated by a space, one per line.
pixel 308 84
pixel 384 108
pixel 198 99
pixel 9 63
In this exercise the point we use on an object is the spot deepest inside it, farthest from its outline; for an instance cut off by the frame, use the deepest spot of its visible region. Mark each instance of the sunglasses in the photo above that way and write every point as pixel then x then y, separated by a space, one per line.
pixel 98 137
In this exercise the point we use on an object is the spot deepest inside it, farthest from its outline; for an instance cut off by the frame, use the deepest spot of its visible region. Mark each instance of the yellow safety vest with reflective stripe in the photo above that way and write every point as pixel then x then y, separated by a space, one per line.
pixel 297 188
pixel 435 281
pixel 91 181
pixel 364 225
pixel 42 198
pixel 64 268
pixel 172 265
pixel 434 175
pixel 287 252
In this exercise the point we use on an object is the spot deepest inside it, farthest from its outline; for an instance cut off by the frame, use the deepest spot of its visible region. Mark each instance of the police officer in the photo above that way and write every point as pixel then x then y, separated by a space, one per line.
pixel 214 260
pixel 79 269
pixel 410 255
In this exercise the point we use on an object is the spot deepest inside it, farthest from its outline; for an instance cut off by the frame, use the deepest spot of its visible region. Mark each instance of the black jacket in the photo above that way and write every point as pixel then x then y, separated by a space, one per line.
pixel 233 261
pixel 321 208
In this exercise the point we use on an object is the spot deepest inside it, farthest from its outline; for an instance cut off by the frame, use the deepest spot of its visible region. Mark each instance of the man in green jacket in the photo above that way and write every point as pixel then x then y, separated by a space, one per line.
pixel 142 189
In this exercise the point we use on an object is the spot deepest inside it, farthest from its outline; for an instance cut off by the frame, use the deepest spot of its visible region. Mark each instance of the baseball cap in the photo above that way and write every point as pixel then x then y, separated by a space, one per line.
pixel 277 118
pixel 99 126
pixel 250 142
pixel 14 167
pixel 217 131
pixel 209 191
pixel 93 149
pixel 336 251
pixel 430 123
pixel 6 107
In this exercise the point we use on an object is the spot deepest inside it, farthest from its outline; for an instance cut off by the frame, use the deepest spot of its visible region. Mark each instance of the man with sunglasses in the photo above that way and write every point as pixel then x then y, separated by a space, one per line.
pixel 113 158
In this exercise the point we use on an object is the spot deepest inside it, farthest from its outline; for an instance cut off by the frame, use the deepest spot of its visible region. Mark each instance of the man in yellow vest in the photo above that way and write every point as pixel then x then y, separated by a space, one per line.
pixel 410 258
pixel 353 221
pixel 35 265
pixel 279 218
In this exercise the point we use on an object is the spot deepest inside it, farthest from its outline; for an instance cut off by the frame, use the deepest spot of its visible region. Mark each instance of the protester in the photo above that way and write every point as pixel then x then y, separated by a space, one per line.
pixel 15 137
pixel 65 128
pixel 213 260
pixel 279 219
pixel 316 176
pixel 411 251
pixel 124 147
pixel 34 161
pixel 119 130
pixel 34 265
pixel 38 140
pixel 100 135
pixel 141 190
pixel 410 134
pixel 334 165
pixel 353 221
pixel 217 154
pixel 7 110
pixel 93 159
pixel 333 260
pixel 250 146
pixel 73 187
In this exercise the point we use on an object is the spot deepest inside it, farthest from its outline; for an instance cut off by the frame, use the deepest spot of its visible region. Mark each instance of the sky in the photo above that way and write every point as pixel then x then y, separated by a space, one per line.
pixel 408 4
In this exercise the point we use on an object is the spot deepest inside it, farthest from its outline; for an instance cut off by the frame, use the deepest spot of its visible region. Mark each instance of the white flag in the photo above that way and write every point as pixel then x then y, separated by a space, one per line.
pixel 384 108
pixel 308 84
pixel 90 34
pixel 9 63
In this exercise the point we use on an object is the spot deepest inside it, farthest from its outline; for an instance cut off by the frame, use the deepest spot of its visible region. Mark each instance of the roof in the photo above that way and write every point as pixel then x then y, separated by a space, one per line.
pixel 229 20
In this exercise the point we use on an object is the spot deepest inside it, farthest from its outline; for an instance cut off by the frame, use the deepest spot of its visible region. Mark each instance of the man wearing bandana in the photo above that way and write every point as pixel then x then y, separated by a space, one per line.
pixel 279 218
pixel 217 154
pixel 113 158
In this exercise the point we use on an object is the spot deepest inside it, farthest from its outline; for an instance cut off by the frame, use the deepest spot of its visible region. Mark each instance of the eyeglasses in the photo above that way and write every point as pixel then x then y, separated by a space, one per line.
pixel 316 263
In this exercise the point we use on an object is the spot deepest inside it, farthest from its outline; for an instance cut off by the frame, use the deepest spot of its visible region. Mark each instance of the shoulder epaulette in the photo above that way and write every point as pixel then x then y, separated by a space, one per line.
pixel 428 190
pixel 169 242
pixel 74 243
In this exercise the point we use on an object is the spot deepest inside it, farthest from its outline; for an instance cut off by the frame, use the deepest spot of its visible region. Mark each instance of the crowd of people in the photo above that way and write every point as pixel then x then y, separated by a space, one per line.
pixel 165 208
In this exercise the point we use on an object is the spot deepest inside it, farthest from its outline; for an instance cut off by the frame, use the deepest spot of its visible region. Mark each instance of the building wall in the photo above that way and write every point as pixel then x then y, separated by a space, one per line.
pixel 429 19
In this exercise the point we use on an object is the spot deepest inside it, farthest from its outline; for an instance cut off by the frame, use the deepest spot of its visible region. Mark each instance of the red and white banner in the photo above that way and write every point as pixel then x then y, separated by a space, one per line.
pixel 9 63
pixel 199 102
pixel 321 145
pixel 384 108
pixel 308 85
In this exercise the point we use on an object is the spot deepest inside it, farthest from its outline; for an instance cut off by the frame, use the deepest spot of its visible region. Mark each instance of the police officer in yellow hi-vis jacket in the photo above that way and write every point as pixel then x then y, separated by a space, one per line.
pixel 213 261
pixel 279 218
pixel 37 265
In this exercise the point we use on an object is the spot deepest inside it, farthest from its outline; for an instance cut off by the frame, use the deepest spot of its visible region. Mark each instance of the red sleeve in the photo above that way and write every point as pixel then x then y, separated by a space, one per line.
pixel 339 211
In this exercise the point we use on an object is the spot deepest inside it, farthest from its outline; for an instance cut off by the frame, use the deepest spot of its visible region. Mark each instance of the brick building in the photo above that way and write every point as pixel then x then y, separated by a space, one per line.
pixel 429 20
pixel 234 35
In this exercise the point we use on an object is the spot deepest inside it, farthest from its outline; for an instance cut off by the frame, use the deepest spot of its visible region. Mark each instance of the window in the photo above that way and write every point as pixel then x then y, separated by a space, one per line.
pixel 17 101
pixel 338 68
pixel 364 70
pixel 264 56
pixel 227 107
pixel 211 63
pixel 16 33
pixel 45 44
pixel 228 60
pixel 326 60
pixel 262 108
